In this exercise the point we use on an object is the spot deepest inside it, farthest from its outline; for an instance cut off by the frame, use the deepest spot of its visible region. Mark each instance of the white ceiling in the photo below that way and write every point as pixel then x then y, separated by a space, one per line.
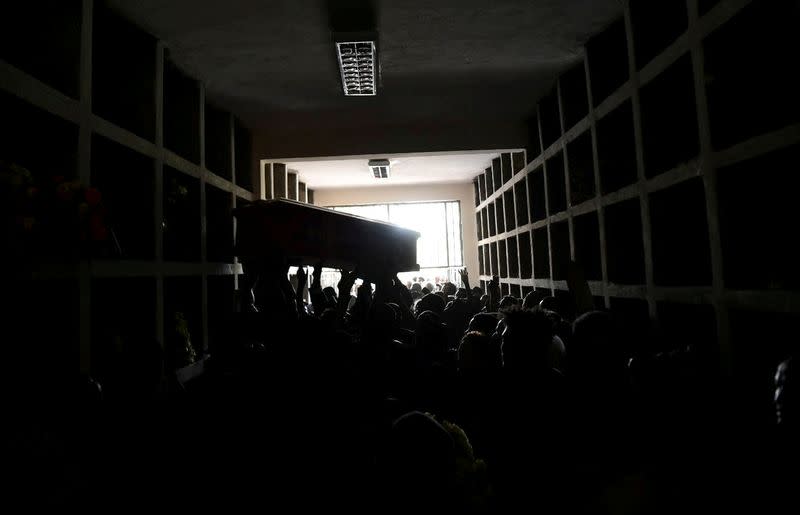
pixel 406 169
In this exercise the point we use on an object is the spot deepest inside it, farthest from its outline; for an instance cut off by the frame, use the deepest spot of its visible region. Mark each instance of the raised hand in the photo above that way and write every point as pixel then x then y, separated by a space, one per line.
pixel 494 293
pixel 345 286
pixel 464 278
pixel 302 281
pixel 346 283
pixel 316 281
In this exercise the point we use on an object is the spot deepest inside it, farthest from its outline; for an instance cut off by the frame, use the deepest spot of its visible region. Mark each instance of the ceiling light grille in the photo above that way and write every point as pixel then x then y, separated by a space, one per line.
pixel 357 66
pixel 379 168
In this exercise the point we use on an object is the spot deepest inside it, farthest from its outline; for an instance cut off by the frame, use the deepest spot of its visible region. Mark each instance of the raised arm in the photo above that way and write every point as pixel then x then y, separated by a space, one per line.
pixel 464 278
pixel 299 294
pixel 494 293
pixel 345 285
pixel 317 297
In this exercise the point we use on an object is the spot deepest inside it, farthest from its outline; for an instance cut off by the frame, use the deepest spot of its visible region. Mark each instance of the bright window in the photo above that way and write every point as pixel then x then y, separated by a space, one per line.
pixel 439 225
pixel 440 250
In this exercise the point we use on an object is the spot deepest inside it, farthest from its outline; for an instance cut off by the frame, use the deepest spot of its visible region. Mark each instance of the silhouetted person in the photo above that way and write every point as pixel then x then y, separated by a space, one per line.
pixel 430 302
pixel 533 412
pixel 419 465
pixel 508 301
pixel 550 304
pixel 533 298
pixel 484 323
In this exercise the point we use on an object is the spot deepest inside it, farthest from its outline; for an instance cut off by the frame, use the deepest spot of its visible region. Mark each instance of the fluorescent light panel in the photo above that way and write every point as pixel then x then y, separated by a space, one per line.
pixel 357 66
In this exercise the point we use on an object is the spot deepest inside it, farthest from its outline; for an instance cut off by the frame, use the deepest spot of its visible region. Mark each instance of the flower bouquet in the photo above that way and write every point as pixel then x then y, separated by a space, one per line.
pixel 52 219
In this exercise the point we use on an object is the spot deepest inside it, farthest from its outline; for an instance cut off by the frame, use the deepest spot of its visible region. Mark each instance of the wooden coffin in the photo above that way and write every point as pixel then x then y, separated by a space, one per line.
pixel 302 234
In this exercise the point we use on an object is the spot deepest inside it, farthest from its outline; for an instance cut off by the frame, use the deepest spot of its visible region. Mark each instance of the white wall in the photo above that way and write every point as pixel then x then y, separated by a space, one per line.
pixel 429 192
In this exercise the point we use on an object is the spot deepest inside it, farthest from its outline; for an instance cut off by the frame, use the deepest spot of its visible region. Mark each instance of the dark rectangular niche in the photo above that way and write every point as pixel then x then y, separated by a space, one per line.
pixel 556 184
pixel 607 53
pixel 756 201
pixel 656 25
pixel 574 96
pixel 493 258
pixel 126 180
pixel 181 223
pixel 669 118
pixel 587 245
pixel 219 225
pixel 181 113
pixel 616 149
pixel 750 83
pixel 581 169
pixel 541 254
pixel 559 234
pixel 681 255
pixel 503 257
pixel 218 142
pixel 123 73
pixel 550 119
pixel 47 47
pixel 521 203
pixel 489 181
pixel 500 210
pixel 513 258
pixel 27 130
pixel 525 256
pixel 536 194
pixel 505 164
pixel 508 199
pixel 497 174
pixel 624 244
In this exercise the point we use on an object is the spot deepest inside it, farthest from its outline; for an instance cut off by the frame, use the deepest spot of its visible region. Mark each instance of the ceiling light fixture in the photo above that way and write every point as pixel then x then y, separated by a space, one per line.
pixel 357 65
pixel 379 168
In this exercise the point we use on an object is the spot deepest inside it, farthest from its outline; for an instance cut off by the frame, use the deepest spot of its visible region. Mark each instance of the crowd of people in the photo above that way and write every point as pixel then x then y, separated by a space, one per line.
pixel 407 397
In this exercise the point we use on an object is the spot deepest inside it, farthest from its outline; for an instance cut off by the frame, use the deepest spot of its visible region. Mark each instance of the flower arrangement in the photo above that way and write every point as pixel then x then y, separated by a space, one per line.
pixel 184 350
pixel 472 478
pixel 52 218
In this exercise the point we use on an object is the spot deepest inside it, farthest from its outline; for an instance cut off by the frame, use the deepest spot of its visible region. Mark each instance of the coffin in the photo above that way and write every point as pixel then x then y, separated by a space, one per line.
pixel 302 234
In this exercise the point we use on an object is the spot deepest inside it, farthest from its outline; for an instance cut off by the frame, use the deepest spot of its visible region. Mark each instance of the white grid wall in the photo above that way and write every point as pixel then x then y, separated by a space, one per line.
pixel 636 167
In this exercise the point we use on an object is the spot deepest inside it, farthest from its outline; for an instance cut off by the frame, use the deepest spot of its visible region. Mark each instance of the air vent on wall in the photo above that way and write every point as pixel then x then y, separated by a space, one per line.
pixel 379 168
